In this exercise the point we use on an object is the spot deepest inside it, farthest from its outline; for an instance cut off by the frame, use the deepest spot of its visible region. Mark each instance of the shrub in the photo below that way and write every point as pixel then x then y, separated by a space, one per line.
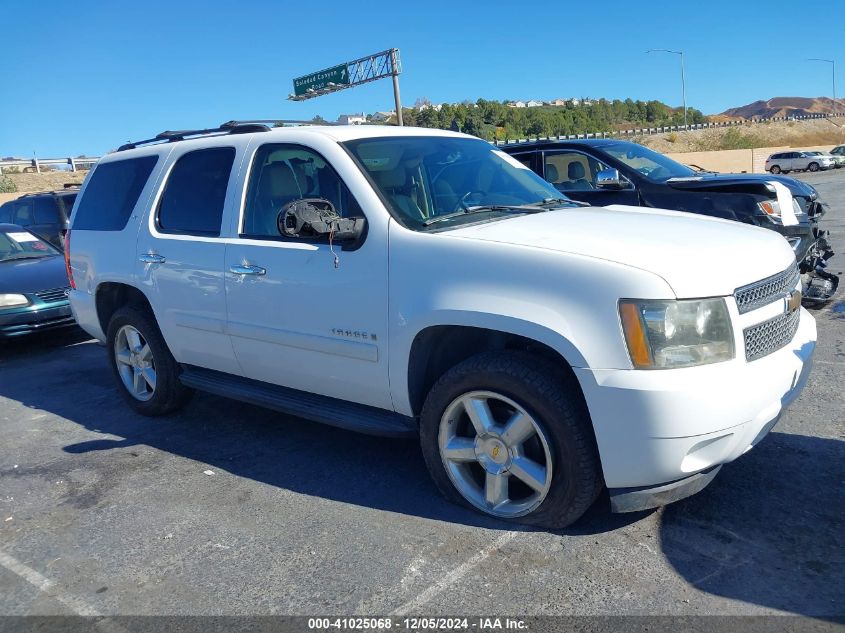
pixel 7 185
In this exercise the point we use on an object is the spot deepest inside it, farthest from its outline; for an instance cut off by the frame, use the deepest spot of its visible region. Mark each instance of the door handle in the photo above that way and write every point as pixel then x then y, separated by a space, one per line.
pixel 152 258
pixel 247 270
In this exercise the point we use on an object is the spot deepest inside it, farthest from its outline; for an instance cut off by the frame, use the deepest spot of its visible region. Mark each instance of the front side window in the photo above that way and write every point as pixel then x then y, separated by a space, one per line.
pixel 112 193
pixel 193 198
pixel 439 182
pixel 282 173
pixel 572 171
pixel 654 166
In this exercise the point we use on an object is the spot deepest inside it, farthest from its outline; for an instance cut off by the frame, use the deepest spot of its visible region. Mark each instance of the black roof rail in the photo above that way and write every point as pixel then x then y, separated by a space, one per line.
pixel 171 136
pixel 229 127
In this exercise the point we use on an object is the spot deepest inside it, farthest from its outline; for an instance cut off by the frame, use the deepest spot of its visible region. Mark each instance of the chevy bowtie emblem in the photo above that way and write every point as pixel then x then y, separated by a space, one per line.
pixel 495 452
pixel 793 301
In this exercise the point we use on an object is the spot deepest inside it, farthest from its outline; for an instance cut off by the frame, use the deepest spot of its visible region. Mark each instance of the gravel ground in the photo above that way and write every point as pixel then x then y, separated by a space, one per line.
pixel 230 509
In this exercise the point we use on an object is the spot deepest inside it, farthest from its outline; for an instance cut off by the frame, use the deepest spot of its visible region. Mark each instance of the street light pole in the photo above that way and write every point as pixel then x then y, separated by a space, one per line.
pixel 833 76
pixel 683 78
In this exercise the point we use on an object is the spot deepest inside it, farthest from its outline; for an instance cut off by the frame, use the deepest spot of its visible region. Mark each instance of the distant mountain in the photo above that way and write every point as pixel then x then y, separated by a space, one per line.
pixel 785 106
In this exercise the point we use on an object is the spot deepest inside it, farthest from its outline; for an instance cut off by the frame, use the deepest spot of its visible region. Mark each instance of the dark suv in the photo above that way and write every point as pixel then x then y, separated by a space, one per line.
pixel 603 172
pixel 46 213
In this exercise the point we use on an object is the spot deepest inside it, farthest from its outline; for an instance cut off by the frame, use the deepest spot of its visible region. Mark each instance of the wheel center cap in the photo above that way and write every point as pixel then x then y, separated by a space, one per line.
pixel 492 454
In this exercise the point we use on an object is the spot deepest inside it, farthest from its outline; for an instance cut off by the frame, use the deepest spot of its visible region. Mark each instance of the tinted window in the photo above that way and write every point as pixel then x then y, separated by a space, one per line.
pixel 68 201
pixel 193 198
pixel 284 173
pixel 46 211
pixel 112 193
pixel 22 212
pixel 6 213
pixel 572 171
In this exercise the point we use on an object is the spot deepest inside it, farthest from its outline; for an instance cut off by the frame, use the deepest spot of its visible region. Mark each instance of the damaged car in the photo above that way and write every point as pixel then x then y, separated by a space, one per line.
pixel 605 172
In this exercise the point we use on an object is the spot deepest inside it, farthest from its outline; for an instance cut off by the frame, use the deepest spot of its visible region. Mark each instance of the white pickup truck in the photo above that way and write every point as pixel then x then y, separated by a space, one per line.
pixel 402 281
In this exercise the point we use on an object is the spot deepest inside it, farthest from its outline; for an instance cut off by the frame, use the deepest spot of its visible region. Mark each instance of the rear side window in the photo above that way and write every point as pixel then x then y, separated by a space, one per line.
pixel 112 193
pixel 22 212
pixel 6 213
pixel 193 198
pixel 46 211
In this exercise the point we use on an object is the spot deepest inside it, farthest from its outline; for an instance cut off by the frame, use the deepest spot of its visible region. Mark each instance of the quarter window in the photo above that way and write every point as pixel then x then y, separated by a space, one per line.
pixel 283 173
pixel 112 193
pixel 193 198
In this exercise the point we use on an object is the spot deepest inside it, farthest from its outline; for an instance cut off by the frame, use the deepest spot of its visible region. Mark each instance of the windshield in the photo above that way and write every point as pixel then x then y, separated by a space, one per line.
pixel 649 163
pixel 426 178
pixel 24 245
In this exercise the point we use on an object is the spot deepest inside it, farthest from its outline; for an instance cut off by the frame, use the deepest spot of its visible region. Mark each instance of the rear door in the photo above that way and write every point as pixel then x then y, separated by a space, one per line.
pixel 180 252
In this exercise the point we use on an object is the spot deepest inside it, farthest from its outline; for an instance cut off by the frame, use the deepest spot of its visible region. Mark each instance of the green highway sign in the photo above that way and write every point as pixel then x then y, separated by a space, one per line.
pixel 319 80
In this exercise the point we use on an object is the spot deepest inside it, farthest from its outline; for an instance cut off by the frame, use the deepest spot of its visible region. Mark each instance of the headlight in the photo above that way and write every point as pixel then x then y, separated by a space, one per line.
pixel 13 301
pixel 772 209
pixel 669 334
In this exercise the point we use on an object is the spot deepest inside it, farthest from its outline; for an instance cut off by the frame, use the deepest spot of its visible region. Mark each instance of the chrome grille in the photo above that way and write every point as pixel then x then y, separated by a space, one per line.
pixel 53 295
pixel 769 336
pixel 767 290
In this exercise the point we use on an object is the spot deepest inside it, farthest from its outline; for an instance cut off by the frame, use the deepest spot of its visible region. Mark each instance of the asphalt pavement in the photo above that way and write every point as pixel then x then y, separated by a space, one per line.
pixel 230 509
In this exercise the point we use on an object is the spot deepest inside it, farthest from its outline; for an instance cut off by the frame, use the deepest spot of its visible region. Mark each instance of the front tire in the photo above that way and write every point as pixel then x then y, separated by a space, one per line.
pixel 146 372
pixel 506 434
pixel 813 167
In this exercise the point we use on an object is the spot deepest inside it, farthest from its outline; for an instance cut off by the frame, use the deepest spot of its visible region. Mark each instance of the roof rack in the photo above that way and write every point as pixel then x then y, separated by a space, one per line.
pixel 229 127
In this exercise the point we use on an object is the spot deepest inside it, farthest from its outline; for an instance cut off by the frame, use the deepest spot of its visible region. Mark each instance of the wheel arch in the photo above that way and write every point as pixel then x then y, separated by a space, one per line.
pixel 111 296
pixel 437 348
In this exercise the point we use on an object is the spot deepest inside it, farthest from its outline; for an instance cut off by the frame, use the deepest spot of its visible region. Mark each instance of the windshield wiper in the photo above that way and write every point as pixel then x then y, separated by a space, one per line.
pixel 485 208
pixel 550 202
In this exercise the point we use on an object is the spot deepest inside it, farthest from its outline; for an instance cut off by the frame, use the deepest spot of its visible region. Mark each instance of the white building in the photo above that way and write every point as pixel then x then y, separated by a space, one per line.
pixel 352 119
pixel 533 104
pixel 382 116
pixel 516 104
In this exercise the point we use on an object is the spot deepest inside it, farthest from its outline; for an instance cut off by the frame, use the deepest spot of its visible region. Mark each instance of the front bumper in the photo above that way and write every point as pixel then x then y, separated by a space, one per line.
pixel 35 318
pixel 662 426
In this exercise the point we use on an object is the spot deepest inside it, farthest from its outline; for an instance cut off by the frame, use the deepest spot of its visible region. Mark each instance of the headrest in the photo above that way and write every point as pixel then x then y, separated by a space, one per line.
pixel 552 174
pixel 575 170
pixel 277 180
pixel 391 177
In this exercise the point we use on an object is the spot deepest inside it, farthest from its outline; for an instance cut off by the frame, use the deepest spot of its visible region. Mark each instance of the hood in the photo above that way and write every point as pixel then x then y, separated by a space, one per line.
pixel 697 256
pixel 33 275
pixel 742 183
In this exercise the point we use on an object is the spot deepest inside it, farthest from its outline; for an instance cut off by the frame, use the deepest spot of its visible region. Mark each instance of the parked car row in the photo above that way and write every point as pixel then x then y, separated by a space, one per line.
pixel 606 172
pixel 523 312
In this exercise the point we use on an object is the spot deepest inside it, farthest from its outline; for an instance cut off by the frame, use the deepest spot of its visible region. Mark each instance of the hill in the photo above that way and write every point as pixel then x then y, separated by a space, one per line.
pixel 784 107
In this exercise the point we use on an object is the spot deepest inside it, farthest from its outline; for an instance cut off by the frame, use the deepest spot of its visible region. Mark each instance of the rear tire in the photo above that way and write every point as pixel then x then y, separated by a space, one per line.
pixel 774 169
pixel 813 167
pixel 536 462
pixel 146 372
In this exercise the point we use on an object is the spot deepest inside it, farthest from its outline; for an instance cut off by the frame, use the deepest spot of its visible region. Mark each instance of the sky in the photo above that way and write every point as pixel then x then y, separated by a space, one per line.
pixel 87 76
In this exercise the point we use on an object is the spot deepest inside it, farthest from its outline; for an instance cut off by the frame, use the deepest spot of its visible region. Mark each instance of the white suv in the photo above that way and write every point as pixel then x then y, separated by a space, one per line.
pixel 402 281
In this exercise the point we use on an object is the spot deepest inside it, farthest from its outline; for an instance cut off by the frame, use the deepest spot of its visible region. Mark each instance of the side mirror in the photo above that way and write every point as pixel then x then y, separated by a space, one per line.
pixel 610 179
pixel 317 217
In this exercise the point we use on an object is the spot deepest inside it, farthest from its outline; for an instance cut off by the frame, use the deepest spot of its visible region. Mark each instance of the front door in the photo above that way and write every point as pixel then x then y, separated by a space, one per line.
pixel 305 313
pixel 574 175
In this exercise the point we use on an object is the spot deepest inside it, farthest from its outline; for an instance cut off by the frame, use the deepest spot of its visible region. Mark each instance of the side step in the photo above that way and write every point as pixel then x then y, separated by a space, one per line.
pixel 311 406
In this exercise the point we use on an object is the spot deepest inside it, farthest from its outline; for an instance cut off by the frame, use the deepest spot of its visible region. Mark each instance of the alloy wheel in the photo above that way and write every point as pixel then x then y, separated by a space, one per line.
pixel 135 363
pixel 496 454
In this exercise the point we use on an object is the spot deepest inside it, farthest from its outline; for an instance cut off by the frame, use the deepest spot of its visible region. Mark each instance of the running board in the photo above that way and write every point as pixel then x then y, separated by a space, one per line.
pixel 311 406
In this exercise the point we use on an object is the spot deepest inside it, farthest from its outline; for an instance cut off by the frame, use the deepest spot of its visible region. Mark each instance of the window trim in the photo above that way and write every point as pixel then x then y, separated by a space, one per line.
pixel 166 180
pixel 240 235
